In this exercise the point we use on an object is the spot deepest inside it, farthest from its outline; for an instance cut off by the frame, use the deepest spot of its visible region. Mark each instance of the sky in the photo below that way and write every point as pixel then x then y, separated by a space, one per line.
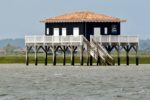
pixel 22 17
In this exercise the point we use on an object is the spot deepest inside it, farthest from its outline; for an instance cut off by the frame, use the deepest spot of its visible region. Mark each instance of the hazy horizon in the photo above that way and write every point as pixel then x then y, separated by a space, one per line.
pixel 19 18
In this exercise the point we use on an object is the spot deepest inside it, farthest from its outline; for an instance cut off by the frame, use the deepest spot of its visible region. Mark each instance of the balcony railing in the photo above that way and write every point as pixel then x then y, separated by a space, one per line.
pixel 70 39
pixel 53 39
pixel 115 39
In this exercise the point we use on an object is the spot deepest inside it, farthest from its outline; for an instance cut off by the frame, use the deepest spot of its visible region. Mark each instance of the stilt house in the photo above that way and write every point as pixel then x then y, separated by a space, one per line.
pixel 95 34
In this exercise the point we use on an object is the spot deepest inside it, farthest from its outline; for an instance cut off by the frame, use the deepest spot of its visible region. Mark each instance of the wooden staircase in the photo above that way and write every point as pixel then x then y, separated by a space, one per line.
pixel 98 52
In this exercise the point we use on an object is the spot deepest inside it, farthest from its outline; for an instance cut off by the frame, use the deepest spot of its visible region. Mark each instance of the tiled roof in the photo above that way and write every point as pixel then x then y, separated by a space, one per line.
pixel 83 17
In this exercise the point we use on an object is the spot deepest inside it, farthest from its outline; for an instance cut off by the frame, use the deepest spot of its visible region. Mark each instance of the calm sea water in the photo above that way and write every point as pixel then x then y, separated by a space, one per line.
pixel 19 82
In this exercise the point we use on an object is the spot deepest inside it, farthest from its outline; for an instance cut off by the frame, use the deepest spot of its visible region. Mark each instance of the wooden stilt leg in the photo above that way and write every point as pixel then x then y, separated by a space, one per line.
pixel 98 61
pixel 27 58
pixel 91 60
pixel 54 56
pixel 118 55
pixel 137 58
pixel 64 56
pixel 45 55
pixel 127 54
pixel 46 58
pixel 73 58
pixel 36 59
pixel 88 57
pixel 81 55
pixel 72 55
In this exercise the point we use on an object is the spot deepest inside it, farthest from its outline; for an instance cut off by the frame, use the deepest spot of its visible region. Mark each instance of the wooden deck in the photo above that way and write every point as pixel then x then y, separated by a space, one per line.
pixel 99 47
pixel 78 40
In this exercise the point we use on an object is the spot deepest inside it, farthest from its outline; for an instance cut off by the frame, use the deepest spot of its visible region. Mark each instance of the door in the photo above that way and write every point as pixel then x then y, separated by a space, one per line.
pixel 76 31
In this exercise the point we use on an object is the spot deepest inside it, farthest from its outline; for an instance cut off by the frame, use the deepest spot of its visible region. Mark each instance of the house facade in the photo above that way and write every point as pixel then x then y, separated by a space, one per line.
pixel 82 23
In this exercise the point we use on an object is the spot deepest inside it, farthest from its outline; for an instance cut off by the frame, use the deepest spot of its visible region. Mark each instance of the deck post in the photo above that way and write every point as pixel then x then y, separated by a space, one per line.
pixel 46 50
pixel 98 61
pixel 27 57
pixel 88 58
pixel 64 55
pixel 72 55
pixel 36 59
pixel 137 58
pixel 127 55
pixel 118 49
pixel 81 55
pixel 54 55
pixel 91 60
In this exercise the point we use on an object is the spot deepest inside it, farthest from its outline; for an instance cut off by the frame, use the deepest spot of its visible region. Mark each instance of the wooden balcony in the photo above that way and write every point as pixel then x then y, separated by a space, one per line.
pixel 113 39
pixel 78 40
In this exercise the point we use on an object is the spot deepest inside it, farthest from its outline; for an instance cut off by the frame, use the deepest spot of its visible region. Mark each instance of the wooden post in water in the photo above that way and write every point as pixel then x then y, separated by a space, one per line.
pixel 81 55
pixel 88 59
pixel 36 51
pixel 54 55
pixel 118 49
pixel 27 57
pixel 137 58
pixel 64 55
pixel 46 50
pixel 91 60
pixel 98 61
pixel 72 55
pixel 127 55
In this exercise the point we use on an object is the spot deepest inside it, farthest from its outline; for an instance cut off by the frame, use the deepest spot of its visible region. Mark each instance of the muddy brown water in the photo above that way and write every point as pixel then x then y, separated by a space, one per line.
pixel 20 82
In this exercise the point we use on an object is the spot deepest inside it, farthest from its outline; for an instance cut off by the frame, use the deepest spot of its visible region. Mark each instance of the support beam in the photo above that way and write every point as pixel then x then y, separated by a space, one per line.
pixel 35 51
pixel 137 58
pixel 88 60
pixel 81 55
pixel 72 55
pixel 127 56
pixel 46 50
pixel 118 50
pixel 64 55
pixel 91 60
pixel 54 55
pixel 98 61
pixel 27 56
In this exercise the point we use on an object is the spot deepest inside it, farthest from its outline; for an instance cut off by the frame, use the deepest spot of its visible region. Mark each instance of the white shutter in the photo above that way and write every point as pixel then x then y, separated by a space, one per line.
pixel 64 31
pixel 47 31
pixel 106 30
pixel 56 31
pixel 97 31
pixel 75 31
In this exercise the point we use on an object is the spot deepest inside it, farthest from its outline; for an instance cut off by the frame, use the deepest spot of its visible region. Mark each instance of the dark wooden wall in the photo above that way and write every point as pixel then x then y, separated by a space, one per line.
pixel 68 26
pixel 85 28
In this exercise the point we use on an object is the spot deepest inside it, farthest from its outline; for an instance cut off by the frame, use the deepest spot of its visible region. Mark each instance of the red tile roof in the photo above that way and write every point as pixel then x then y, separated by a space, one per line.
pixel 83 17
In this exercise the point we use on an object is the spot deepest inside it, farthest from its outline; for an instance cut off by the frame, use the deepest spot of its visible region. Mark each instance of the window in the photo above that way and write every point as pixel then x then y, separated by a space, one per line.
pixel 114 29
pixel 97 31
pixel 47 31
pixel 56 31
pixel 76 31
pixel 64 31
pixel 105 30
